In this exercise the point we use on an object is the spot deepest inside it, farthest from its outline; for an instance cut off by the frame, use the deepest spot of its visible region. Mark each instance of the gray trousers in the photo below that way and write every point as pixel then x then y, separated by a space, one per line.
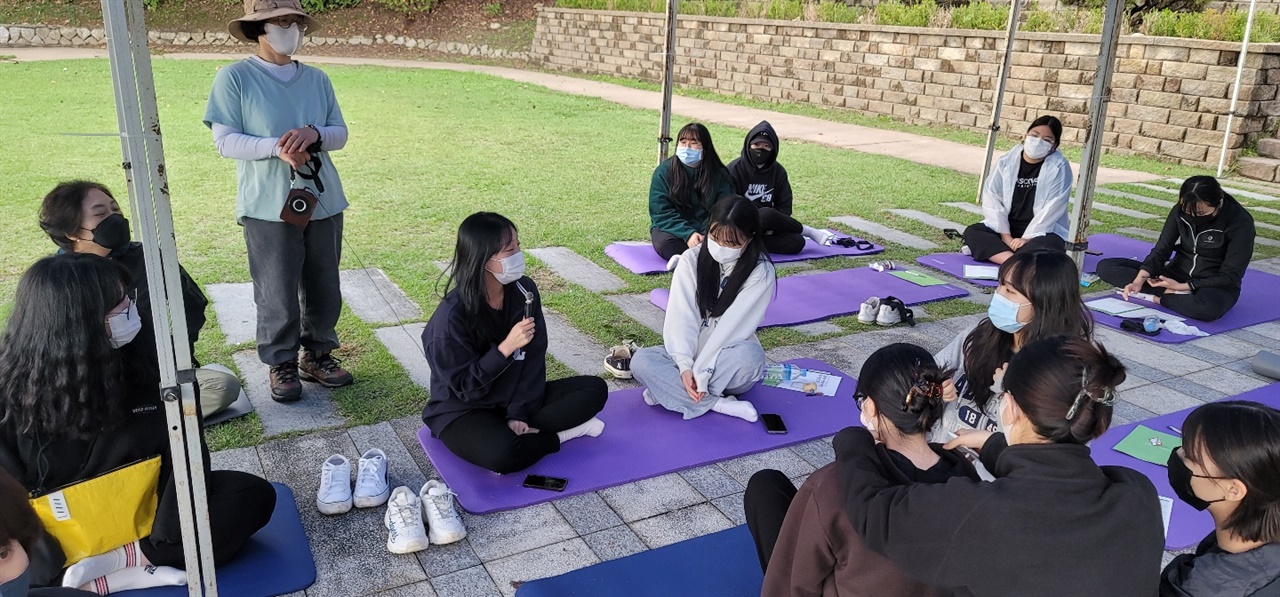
pixel 738 368
pixel 295 285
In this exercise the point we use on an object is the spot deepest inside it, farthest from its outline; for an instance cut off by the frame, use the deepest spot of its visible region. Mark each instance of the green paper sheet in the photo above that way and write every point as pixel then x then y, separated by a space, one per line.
pixel 1139 444
pixel 917 278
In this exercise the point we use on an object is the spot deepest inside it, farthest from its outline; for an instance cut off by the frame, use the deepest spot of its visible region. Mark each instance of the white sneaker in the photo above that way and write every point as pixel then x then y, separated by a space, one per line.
pixel 888 315
pixel 964 250
pixel 869 310
pixel 334 495
pixel 405 533
pixel 443 522
pixel 371 480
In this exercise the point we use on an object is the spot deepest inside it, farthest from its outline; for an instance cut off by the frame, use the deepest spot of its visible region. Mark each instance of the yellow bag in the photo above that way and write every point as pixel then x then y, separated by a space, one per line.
pixel 97 515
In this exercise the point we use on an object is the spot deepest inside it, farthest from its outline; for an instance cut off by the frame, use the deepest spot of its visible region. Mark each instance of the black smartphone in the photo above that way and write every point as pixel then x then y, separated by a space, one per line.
pixel 773 424
pixel 547 483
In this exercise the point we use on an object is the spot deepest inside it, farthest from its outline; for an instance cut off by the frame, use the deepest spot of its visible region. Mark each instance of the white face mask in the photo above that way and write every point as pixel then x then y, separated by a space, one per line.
pixel 125 325
pixel 870 426
pixel 512 268
pixel 284 40
pixel 1036 148
pixel 722 254
pixel 1005 428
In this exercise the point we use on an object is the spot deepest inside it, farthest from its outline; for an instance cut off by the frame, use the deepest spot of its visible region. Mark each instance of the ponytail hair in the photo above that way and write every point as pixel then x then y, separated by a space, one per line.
pixel 1066 387
pixel 906 385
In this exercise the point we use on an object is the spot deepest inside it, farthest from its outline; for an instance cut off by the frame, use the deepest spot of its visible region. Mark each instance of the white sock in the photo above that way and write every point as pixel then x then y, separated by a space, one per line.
pixel 821 237
pixel 672 263
pixel 648 398
pixel 86 570
pixel 735 408
pixel 136 577
pixel 593 427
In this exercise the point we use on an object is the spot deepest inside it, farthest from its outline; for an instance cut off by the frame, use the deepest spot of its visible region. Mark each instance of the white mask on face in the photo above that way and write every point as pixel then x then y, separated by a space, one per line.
pixel 1036 148
pixel 1004 405
pixel 125 325
pixel 870 426
pixel 512 268
pixel 722 254
pixel 284 40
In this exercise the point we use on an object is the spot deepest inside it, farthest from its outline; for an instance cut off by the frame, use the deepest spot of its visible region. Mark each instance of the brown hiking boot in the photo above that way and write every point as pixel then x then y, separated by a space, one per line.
pixel 285 386
pixel 324 370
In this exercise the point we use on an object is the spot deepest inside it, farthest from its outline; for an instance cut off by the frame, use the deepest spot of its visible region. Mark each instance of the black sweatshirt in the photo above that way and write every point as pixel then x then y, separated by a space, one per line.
pixel 468 373
pixel 1217 573
pixel 765 183
pixel 1214 255
pixel 1052 523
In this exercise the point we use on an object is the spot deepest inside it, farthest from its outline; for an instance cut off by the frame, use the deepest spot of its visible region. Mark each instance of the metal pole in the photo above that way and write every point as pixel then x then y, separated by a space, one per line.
pixel 144 168
pixel 1235 94
pixel 993 130
pixel 1083 204
pixel 668 73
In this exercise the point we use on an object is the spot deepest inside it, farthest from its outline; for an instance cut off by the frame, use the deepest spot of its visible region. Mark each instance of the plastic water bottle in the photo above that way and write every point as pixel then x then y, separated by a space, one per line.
pixel 1151 324
pixel 882 266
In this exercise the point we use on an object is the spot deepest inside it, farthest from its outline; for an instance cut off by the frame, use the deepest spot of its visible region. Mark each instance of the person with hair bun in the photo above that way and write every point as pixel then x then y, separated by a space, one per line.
pixel 1229 464
pixel 803 538
pixel 1052 522
pixel 1199 261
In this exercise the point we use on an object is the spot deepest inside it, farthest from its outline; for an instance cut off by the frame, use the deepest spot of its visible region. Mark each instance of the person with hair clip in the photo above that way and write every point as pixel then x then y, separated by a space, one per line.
pixel 1038 297
pixel 1229 464
pixel 81 216
pixel 74 406
pixel 682 191
pixel 1052 522
pixel 758 176
pixel 486 343
pixel 1209 236
pixel 721 288
pixel 803 538
pixel 1024 202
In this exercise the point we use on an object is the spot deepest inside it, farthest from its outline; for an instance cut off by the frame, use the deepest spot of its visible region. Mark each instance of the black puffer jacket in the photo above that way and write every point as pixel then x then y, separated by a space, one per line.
pixel 1212 571
pixel 1213 255
pixel 762 179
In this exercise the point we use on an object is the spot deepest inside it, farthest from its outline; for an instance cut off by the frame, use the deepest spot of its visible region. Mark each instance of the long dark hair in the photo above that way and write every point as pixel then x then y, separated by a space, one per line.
pixel 709 170
pixel 906 385
pixel 740 219
pixel 481 236
pixel 1243 439
pixel 61 210
pixel 1048 279
pixel 1065 386
pixel 59 374
pixel 18 521
pixel 1200 189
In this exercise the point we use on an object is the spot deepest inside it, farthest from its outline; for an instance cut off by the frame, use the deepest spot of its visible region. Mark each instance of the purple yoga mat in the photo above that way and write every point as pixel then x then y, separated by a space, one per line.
pixel 806 298
pixel 640 258
pixel 1258 293
pixel 1111 245
pixel 1187 527
pixel 641 441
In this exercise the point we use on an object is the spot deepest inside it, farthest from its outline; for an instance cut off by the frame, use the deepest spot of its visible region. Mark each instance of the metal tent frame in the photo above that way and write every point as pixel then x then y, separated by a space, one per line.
pixel 1235 94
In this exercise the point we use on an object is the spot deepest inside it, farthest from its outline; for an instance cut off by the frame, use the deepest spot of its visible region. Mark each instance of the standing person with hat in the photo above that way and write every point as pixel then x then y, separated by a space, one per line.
pixel 280 119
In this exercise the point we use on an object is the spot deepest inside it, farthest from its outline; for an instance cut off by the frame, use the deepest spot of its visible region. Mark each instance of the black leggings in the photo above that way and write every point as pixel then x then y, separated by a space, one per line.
pixel 768 497
pixel 985 243
pixel 781 232
pixel 666 244
pixel 239 505
pixel 1205 304
pixel 482 437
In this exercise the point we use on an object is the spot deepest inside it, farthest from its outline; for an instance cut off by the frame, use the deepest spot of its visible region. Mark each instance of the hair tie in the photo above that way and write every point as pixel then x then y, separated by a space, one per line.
pixel 1108 397
pixel 929 389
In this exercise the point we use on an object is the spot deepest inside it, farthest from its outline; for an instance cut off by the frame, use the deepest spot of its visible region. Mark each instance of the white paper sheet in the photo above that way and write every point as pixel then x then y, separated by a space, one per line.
pixel 793 378
pixel 1166 510
pixel 982 272
pixel 1119 308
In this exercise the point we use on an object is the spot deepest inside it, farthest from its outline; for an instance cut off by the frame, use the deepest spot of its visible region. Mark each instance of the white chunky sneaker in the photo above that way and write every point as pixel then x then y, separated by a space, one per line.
pixel 443 523
pixel 888 315
pixel 869 310
pixel 371 480
pixel 405 533
pixel 334 495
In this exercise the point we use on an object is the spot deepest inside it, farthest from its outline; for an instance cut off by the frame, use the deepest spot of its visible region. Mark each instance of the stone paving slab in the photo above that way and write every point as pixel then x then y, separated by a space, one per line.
pixel 1265 210
pixel 638 307
pixel 1135 197
pixel 649 497
pixel 576 350
pixel 925 218
pixel 314 411
pixel 817 328
pixel 731 507
pixel 244 460
pixel 1159 399
pixel 236 311
pixel 885 232
pixel 1156 187
pixel 419 589
pixel 587 513
pixel 972 208
pixel 404 342
pixel 551 560
pixel 1142 233
pixel 711 481
pixel 679 525
pixel 614 543
pixel 471 582
pixel 578 269
pixel 374 298
pixel 501 534
pixel 782 459
pixel 1123 211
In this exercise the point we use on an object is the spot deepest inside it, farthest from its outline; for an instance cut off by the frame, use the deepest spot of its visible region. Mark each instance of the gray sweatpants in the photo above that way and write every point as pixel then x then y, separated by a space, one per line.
pixel 295 285
pixel 738 368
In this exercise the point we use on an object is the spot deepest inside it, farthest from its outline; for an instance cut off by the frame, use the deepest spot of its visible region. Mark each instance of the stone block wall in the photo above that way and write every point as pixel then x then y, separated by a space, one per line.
pixel 1169 97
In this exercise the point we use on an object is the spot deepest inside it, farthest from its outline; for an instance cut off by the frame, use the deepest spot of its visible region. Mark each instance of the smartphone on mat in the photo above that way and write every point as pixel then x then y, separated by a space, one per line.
pixel 773 424
pixel 547 483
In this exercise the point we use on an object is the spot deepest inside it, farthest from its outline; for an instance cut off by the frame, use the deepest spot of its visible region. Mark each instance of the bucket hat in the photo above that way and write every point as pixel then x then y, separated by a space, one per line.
pixel 261 10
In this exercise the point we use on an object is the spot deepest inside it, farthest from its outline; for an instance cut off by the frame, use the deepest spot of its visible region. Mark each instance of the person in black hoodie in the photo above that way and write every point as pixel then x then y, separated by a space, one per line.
pixel 1228 465
pixel 74 405
pixel 1051 523
pixel 1210 237
pixel 814 550
pixel 491 403
pixel 759 177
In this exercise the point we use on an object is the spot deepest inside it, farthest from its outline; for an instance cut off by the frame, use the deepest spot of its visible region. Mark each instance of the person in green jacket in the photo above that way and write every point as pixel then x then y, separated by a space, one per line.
pixel 683 189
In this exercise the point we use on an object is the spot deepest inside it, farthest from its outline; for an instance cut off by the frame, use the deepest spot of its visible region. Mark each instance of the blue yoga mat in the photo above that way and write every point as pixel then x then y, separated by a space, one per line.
pixel 276 561
pixel 722 564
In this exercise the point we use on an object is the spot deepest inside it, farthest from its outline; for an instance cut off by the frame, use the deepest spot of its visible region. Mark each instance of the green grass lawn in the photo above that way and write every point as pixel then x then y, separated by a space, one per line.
pixel 427 148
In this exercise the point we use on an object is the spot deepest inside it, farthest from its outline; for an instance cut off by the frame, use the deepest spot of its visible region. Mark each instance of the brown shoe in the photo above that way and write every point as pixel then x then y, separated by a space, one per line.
pixel 324 370
pixel 285 386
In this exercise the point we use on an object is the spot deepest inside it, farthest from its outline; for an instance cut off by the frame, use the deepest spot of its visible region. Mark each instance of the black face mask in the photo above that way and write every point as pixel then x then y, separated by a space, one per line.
pixel 760 156
pixel 112 233
pixel 1180 479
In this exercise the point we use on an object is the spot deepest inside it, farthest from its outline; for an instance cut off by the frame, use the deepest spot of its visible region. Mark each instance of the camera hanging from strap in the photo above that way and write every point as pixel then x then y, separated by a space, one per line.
pixel 301 203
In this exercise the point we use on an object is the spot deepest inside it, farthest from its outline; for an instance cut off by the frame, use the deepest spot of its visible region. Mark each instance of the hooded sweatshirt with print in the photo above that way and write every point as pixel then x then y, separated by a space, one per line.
pixel 758 176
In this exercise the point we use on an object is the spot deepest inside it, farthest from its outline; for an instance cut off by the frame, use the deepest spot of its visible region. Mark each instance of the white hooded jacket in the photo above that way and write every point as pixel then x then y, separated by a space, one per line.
pixel 1053 195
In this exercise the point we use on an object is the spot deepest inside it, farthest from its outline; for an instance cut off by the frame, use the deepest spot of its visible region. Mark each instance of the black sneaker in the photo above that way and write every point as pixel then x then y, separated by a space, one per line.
pixel 285 386
pixel 323 369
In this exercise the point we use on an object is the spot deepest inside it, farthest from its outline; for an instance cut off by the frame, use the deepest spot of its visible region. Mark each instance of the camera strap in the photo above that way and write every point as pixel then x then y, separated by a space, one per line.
pixel 315 164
